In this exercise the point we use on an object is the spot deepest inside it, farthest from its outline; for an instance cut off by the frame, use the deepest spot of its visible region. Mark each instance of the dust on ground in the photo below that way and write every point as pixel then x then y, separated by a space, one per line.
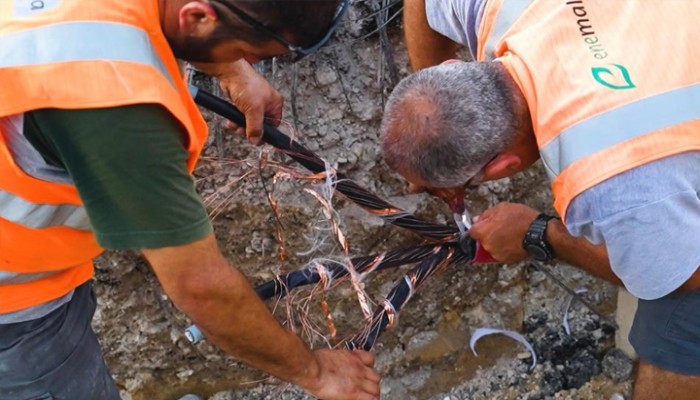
pixel 337 97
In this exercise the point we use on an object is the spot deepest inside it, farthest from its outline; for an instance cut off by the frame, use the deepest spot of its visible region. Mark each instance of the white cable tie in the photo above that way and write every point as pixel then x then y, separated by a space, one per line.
pixel 481 332
pixel 411 287
pixel 565 317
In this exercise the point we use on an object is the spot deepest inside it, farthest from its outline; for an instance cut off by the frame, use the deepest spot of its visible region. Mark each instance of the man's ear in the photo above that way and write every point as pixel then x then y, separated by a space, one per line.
pixel 503 165
pixel 197 19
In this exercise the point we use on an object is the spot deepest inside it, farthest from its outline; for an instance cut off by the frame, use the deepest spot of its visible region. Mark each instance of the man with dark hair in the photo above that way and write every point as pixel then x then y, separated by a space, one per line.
pixel 98 138
pixel 279 17
pixel 616 128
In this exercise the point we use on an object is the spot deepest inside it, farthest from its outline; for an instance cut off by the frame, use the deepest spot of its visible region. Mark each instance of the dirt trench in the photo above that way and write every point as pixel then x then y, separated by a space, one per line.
pixel 334 105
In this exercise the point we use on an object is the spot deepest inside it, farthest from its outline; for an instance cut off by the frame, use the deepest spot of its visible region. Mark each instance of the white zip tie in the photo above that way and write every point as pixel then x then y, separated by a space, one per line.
pixel 481 332
pixel 565 317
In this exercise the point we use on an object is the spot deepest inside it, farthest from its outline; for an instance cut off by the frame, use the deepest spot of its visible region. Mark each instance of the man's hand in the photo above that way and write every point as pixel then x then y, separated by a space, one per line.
pixel 251 93
pixel 344 374
pixel 218 298
pixel 501 230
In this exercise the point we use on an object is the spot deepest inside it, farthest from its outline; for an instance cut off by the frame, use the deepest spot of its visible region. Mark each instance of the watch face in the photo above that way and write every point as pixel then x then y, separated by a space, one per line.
pixel 536 252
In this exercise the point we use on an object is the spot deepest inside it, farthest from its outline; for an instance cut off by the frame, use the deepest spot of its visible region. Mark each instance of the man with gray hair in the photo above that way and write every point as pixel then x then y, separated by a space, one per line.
pixel 619 142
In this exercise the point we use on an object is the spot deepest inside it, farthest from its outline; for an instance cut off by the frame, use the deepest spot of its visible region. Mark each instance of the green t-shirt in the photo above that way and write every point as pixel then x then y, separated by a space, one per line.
pixel 129 165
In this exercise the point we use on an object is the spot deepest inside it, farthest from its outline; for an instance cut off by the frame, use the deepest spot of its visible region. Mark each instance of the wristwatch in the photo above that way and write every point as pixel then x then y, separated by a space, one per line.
pixel 535 241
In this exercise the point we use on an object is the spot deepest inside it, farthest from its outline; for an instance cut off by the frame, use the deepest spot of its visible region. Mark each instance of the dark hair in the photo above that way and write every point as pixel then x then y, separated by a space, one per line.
pixel 306 20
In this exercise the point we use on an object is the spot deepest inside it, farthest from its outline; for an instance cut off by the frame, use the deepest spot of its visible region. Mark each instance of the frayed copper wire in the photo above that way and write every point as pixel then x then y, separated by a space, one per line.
pixel 328 210
pixel 330 324
pixel 324 274
pixel 325 283
pixel 360 196
pixel 372 266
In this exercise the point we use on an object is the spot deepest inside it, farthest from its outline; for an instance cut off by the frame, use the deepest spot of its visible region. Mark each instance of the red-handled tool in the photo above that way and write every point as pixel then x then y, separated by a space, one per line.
pixel 464 223
pixel 481 256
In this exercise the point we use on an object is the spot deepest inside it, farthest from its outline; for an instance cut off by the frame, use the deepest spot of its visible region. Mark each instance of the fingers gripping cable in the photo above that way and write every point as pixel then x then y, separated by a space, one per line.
pixel 450 246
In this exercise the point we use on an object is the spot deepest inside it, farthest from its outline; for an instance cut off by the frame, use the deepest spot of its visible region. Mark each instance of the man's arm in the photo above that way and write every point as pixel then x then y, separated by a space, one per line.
pixel 222 303
pixel 425 46
pixel 129 165
pixel 579 251
pixel 501 230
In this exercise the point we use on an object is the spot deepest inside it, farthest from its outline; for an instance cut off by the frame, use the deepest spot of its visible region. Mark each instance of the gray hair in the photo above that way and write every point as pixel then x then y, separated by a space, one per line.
pixel 445 123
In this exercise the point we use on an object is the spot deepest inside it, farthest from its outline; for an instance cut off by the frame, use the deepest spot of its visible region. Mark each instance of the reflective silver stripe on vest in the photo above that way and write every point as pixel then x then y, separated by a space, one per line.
pixel 79 41
pixel 25 155
pixel 510 11
pixel 65 42
pixel 11 278
pixel 20 211
pixel 623 123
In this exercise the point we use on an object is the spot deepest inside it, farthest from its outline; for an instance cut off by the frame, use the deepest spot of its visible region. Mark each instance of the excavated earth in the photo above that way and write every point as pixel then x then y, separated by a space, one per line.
pixel 334 107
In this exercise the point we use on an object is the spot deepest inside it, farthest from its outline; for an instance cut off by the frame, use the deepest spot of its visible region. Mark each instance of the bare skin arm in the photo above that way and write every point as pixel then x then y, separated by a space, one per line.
pixel 218 298
pixel 502 228
pixel 425 46
pixel 579 251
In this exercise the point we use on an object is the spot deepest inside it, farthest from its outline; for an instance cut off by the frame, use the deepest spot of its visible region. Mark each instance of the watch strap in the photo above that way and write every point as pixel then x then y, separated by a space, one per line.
pixel 535 240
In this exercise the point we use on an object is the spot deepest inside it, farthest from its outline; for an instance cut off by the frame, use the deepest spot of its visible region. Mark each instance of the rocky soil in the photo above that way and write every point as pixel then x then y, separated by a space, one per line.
pixel 334 104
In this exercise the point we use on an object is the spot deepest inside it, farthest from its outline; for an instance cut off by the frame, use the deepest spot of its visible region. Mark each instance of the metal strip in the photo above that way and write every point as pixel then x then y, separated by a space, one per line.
pixel 621 124
pixel 91 41
pixel 20 211
pixel 509 12
pixel 11 278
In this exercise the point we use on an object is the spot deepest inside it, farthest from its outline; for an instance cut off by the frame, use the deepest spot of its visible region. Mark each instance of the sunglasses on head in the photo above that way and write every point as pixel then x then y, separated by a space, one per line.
pixel 297 51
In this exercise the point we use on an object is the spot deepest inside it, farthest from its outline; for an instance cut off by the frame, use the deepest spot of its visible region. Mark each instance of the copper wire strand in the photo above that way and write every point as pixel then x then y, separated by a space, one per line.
pixel 442 254
pixel 372 266
pixel 326 278
pixel 391 314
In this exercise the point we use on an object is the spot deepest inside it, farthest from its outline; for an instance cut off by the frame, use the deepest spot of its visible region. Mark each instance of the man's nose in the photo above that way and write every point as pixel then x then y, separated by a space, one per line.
pixel 454 197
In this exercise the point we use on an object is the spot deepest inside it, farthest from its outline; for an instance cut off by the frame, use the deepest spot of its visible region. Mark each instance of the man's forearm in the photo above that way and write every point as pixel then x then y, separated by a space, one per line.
pixel 425 46
pixel 580 252
pixel 250 333
pixel 223 304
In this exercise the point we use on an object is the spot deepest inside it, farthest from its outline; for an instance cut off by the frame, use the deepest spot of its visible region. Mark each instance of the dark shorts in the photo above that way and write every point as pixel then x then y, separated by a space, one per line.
pixel 56 356
pixel 666 332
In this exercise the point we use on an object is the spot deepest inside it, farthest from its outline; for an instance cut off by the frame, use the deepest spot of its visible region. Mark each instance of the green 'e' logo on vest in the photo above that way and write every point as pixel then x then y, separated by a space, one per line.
pixel 609 78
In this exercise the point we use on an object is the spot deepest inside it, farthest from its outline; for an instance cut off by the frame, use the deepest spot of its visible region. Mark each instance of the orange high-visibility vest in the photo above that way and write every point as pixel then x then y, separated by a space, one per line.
pixel 611 85
pixel 70 54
